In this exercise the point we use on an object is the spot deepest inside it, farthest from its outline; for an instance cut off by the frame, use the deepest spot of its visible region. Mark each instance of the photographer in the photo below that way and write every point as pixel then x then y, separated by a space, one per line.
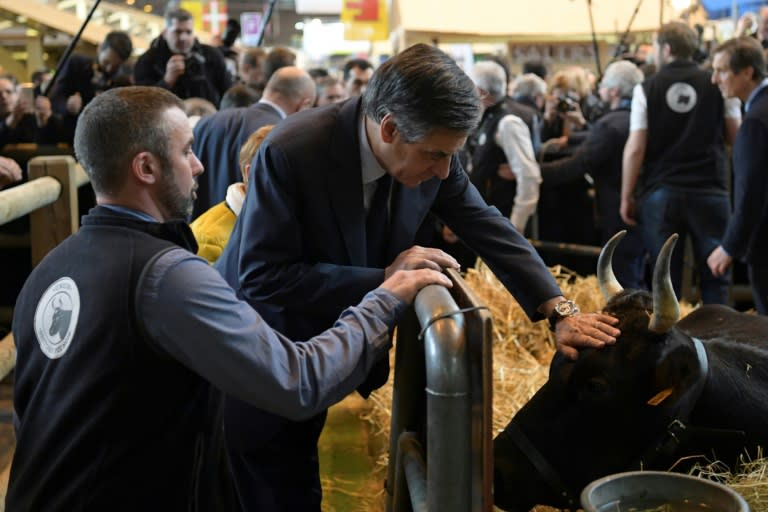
pixel 82 77
pixel 177 61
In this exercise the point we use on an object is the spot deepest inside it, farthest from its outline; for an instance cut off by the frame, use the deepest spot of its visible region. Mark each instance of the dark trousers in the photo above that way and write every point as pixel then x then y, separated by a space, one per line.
pixel 688 212
pixel 274 460
pixel 758 277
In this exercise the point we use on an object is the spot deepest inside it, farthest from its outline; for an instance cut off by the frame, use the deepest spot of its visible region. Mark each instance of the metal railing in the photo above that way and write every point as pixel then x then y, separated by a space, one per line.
pixel 440 439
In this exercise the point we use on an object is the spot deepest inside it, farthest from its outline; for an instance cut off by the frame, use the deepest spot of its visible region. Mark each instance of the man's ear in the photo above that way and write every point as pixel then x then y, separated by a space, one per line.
pixel 145 168
pixel 749 73
pixel 388 128
pixel 666 51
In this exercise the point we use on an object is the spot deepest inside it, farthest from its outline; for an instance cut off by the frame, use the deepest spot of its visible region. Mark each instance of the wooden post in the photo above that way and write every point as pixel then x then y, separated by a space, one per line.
pixel 51 224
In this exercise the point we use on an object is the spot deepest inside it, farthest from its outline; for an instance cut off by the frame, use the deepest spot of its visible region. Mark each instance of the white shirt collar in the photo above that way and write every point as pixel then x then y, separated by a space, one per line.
pixel 371 170
pixel 280 111
pixel 759 88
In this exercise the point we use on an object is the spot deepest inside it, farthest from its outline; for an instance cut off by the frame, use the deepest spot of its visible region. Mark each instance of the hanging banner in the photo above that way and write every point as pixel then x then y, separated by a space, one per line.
pixel 250 23
pixel 365 19
pixel 215 16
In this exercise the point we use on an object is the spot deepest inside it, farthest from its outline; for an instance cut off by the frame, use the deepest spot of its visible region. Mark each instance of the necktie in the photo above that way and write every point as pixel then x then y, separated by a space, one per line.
pixel 377 223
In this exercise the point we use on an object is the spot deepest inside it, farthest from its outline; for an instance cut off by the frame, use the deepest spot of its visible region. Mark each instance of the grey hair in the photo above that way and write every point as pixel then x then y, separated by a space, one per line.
pixel 624 75
pixel 423 89
pixel 490 77
pixel 529 85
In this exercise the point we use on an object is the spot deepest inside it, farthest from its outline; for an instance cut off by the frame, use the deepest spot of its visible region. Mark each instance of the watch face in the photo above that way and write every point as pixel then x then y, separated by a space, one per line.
pixel 566 308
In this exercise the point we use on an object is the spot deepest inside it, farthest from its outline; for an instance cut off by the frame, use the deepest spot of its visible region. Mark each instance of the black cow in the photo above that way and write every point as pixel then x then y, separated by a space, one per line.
pixel 654 397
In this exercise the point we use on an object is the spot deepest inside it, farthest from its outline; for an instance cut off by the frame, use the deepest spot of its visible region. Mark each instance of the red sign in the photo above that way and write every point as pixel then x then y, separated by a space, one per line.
pixel 368 9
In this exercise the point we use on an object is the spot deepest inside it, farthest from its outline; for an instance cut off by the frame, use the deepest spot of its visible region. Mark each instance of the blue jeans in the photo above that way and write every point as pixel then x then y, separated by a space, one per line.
pixel 688 212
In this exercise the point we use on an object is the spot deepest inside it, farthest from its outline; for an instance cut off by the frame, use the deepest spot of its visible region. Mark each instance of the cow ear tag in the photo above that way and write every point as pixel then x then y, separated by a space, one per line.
pixel 660 397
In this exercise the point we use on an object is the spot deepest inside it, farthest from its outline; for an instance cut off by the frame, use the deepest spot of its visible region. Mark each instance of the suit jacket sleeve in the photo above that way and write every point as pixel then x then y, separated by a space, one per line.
pixel 590 156
pixel 270 245
pixel 750 187
pixel 492 237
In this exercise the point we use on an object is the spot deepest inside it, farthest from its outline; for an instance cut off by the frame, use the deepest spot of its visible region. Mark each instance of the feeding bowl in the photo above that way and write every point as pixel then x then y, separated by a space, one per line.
pixel 658 491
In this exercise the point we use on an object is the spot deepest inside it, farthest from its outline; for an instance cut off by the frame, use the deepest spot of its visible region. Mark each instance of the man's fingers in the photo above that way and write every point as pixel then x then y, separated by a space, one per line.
pixel 427 276
pixel 416 256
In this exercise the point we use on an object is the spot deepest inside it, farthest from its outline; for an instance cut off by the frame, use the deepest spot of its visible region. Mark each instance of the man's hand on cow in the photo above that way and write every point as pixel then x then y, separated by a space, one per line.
pixel 405 284
pixel 421 257
pixel 719 261
pixel 9 171
pixel 585 330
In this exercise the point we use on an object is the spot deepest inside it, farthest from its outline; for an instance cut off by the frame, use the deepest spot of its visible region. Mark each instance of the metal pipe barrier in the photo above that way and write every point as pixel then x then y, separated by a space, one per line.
pixel 442 400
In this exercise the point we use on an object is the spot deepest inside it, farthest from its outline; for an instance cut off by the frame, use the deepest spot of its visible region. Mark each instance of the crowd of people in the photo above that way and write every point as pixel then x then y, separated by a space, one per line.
pixel 320 206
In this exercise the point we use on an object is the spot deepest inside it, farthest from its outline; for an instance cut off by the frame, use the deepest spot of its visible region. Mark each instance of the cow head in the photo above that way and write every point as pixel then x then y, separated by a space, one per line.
pixel 597 415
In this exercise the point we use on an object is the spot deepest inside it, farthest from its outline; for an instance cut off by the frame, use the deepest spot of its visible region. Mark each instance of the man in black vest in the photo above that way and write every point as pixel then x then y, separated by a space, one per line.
pixel 738 68
pixel 503 137
pixel 122 332
pixel 674 161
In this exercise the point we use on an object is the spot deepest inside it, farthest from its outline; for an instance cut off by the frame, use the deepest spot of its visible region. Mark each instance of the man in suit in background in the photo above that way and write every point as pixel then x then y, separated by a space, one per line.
pixel 738 68
pixel 336 197
pixel 218 138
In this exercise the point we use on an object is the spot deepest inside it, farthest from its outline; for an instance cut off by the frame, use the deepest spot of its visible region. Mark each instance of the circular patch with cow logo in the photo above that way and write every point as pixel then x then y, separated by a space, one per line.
pixel 56 317
pixel 681 97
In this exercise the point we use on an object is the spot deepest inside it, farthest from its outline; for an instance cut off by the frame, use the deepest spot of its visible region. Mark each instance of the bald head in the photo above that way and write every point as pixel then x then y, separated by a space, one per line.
pixel 291 88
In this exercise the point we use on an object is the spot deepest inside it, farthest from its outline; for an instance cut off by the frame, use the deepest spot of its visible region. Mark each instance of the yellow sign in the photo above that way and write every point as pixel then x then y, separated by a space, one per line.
pixel 195 8
pixel 365 19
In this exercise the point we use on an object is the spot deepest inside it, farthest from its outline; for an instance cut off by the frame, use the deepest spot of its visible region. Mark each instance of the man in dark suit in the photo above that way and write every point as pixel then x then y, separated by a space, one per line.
pixel 336 198
pixel 738 68
pixel 219 137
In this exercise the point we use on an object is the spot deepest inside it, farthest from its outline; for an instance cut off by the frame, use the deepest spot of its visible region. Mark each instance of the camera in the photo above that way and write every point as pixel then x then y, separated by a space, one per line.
pixel 566 104
pixel 193 65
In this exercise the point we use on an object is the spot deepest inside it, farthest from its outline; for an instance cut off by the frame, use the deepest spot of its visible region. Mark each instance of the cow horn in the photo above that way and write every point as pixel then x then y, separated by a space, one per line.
pixel 666 310
pixel 609 285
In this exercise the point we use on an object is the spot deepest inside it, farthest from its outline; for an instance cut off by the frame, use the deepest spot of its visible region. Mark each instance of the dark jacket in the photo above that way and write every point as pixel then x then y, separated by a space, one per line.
pixel 81 74
pixel 218 139
pixel 105 420
pixel 206 75
pixel 599 156
pixel 747 234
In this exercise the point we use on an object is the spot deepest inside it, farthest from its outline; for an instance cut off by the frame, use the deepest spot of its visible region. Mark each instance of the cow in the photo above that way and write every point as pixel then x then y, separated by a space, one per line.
pixel 667 391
